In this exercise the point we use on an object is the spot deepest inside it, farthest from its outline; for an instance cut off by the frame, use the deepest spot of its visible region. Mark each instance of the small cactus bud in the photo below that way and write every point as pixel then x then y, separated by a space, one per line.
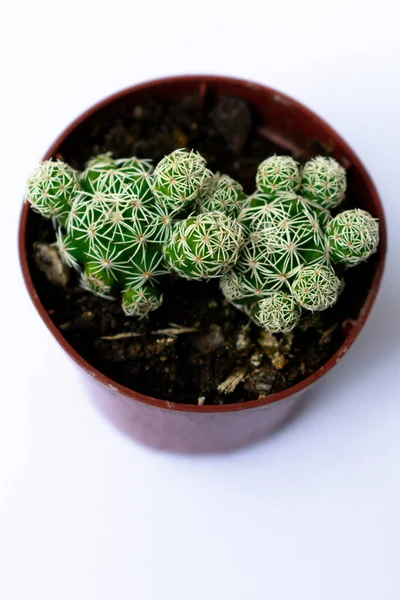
pixel 278 174
pixel 277 313
pixel 105 175
pixel 221 193
pixel 316 288
pixel 236 288
pixel 52 188
pixel 139 301
pixel 96 280
pixel 323 181
pixel 353 236
pixel 177 178
pixel 204 246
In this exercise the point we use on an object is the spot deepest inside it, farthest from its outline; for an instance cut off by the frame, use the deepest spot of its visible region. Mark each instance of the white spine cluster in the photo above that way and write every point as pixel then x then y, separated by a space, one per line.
pixel 145 266
pixel 278 174
pixel 323 180
pixel 353 236
pixel 277 313
pixel 51 189
pixel 204 246
pixel 178 177
pixel 96 285
pixel 316 288
pixel 138 302
pixel 221 193
pixel 234 287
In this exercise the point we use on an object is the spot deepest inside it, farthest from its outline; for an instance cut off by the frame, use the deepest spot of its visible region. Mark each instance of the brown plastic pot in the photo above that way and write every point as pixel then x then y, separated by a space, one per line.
pixel 193 428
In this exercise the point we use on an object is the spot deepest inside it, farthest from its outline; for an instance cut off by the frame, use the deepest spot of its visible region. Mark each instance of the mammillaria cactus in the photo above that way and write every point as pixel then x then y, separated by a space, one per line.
pixel 221 193
pixel 291 244
pixel 112 228
pixel 139 301
pixel 353 236
pixel 204 246
pixel 276 313
pixel 323 181
pixel 177 178
pixel 51 189
pixel 316 287
pixel 123 225
pixel 278 174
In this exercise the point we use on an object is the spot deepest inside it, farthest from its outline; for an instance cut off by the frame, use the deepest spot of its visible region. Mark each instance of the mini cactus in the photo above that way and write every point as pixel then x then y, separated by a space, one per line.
pixel 278 174
pixel 97 280
pixel 316 288
pixel 221 193
pixel 277 313
pixel 138 302
pixel 323 181
pixel 123 226
pixel 353 236
pixel 51 189
pixel 204 246
pixel 178 177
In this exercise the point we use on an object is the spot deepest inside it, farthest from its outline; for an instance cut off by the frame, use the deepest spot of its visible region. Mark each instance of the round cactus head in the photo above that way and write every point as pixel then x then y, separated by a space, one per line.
pixel 51 189
pixel 277 313
pixel 221 193
pixel 278 174
pixel 353 236
pixel 177 178
pixel 316 288
pixel 239 289
pixel 105 175
pixel 323 181
pixel 139 301
pixel 97 279
pixel 204 246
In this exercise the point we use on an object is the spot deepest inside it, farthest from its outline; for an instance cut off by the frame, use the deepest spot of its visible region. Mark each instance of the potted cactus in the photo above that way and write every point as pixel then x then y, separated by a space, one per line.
pixel 142 234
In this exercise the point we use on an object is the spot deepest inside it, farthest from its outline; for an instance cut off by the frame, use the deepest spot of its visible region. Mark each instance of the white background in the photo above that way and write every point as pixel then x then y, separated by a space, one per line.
pixel 312 513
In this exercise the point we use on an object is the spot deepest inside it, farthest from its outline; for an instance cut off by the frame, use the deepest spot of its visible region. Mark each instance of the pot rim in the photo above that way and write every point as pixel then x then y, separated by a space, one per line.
pixel 194 408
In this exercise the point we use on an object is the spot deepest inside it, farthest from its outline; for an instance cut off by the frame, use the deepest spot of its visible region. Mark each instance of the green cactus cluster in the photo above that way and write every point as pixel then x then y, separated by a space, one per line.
pixel 124 224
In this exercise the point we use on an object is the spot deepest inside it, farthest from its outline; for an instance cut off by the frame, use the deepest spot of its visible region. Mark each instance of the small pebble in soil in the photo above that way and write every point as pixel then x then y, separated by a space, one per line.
pixel 260 381
pixel 243 340
pixel 48 261
pixel 208 341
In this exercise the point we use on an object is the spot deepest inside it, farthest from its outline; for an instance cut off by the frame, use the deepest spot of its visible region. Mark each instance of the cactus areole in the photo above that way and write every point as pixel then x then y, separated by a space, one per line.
pixel 278 253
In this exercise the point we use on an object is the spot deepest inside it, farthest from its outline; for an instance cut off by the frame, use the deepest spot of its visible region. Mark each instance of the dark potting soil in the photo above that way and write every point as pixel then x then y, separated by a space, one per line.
pixel 196 348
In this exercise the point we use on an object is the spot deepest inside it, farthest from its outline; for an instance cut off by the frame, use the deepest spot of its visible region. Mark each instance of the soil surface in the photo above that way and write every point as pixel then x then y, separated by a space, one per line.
pixel 196 348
